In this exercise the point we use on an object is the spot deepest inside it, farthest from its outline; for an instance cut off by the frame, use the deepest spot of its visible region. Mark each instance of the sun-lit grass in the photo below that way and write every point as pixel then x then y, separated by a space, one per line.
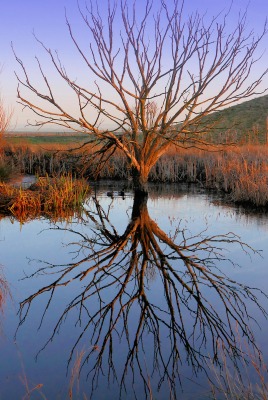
pixel 41 140
pixel 53 197
pixel 239 171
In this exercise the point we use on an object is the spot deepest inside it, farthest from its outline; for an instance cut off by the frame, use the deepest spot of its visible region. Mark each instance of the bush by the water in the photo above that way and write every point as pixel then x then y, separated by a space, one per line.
pixel 48 196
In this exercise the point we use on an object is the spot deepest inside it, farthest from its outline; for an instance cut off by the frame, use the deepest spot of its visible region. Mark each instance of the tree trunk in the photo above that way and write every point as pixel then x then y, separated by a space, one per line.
pixel 139 206
pixel 140 183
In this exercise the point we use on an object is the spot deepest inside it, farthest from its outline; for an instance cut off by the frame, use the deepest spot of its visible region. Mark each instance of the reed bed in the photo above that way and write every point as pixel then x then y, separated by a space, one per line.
pixel 56 197
pixel 41 161
pixel 241 172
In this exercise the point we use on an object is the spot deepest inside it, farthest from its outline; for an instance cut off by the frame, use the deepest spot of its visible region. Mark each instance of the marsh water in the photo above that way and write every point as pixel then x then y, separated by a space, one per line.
pixel 131 300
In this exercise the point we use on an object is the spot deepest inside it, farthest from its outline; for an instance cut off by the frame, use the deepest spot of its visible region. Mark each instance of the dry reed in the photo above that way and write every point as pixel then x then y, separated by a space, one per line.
pixel 246 381
pixel 240 171
pixel 4 292
pixel 51 197
pixel 75 376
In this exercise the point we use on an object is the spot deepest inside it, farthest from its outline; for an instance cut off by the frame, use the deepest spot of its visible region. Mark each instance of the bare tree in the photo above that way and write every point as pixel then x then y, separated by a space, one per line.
pixel 158 73
pixel 111 283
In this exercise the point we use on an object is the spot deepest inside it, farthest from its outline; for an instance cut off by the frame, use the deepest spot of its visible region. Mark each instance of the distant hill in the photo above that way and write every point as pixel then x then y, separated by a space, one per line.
pixel 246 120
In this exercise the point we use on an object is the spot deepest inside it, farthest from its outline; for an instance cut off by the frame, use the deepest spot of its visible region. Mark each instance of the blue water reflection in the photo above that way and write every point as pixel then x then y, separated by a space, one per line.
pixel 38 240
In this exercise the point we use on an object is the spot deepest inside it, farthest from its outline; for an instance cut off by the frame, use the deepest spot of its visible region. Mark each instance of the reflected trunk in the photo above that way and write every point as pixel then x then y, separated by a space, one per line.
pixel 139 206
pixel 114 275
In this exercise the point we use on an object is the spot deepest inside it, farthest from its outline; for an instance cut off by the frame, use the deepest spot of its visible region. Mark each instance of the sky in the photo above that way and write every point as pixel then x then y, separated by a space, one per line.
pixel 46 19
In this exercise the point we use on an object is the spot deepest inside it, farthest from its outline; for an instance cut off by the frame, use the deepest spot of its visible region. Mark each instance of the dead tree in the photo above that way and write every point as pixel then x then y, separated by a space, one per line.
pixel 157 74
pixel 196 307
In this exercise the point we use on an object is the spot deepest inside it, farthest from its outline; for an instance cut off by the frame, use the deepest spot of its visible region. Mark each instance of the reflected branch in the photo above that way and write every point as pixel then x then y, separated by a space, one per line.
pixel 152 293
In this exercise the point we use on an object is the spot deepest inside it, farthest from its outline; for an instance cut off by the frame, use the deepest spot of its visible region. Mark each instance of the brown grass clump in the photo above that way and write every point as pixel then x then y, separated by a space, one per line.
pixel 246 381
pixel 48 196
pixel 241 172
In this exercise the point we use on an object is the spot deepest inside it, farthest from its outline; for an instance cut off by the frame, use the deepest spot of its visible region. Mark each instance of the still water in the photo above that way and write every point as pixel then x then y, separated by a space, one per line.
pixel 130 302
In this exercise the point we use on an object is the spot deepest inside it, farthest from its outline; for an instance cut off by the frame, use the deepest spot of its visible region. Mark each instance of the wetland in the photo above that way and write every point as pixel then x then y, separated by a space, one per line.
pixel 133 298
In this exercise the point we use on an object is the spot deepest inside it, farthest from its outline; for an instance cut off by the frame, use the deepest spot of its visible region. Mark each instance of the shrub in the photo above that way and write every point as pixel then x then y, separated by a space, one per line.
pixel 52 197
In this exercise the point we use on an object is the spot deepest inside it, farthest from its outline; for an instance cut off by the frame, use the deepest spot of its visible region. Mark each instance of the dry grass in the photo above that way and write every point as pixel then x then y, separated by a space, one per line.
pixel 4 295
pixel 240 171
pixel 246 381
pixel 75 377
pixel 243 173
pixel 52 197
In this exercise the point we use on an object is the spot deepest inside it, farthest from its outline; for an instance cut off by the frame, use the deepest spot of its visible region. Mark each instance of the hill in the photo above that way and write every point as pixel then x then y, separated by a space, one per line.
pixel 245 121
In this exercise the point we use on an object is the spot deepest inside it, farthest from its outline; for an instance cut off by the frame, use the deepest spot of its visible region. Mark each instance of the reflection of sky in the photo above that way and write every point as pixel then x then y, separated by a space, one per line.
pixel 20 18
pixel 35 241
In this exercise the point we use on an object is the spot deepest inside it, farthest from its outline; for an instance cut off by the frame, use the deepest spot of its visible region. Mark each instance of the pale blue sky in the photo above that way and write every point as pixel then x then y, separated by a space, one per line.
pixel 19 18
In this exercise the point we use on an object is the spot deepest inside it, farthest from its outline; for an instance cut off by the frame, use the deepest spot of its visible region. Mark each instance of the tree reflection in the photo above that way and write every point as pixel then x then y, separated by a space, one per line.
pixel 155 292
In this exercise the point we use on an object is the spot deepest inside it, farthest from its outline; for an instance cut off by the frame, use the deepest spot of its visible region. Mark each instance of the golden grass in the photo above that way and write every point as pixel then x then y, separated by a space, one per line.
pixel 240 171
pixel 75 376
pixel 46 146
pixel 243 173
pixel 52 197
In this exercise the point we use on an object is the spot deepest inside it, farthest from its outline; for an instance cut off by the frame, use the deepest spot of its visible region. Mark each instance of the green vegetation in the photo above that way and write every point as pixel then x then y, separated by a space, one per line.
pixel 5 171
pixel 245 122
pixel 7 168
pixel 28 139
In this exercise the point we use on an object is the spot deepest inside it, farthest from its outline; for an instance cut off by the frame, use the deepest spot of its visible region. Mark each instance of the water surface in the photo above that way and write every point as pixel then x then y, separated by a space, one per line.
pixel 182 214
